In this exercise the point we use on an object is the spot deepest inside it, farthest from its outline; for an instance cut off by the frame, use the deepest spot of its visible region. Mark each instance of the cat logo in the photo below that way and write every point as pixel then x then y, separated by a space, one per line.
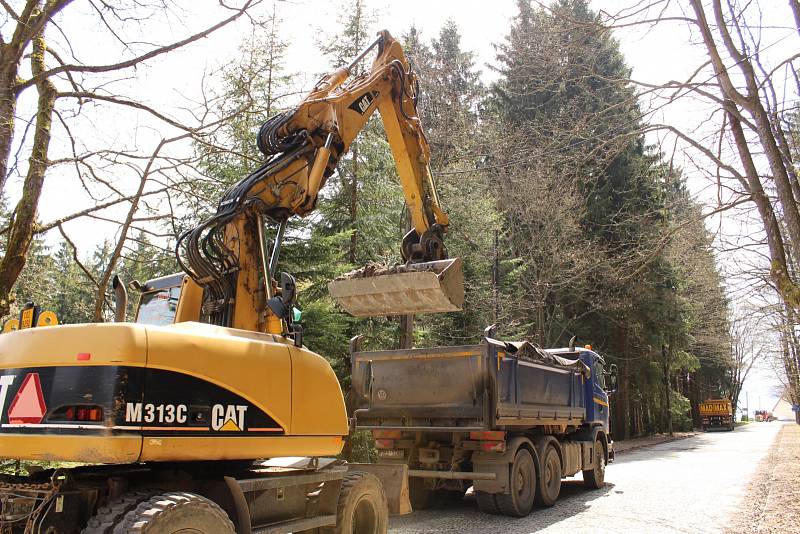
pixel 228 418
pixel 362 103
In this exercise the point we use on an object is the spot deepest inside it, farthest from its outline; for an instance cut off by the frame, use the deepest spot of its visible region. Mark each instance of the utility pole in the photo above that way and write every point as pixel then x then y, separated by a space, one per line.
pixel 668 411
pixel 747 399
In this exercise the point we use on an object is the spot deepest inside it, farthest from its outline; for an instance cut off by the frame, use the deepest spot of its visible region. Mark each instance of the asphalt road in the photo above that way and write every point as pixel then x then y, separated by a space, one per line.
pixel 694 485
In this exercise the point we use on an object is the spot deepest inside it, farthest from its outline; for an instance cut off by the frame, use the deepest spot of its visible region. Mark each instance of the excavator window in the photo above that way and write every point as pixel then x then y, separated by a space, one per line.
pixel 158 307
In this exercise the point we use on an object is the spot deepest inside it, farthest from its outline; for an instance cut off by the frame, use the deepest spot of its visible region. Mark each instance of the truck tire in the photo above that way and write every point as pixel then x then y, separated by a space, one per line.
pixel 421 496
pixel 594 478
pixel 519 500
pixel 550 478
pixel 106 517
pixel 174 512
pixel 362 508
pixel 487 503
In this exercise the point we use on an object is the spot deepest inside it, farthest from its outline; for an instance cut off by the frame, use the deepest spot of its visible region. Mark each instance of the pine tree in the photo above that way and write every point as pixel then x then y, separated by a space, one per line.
pixel 587 205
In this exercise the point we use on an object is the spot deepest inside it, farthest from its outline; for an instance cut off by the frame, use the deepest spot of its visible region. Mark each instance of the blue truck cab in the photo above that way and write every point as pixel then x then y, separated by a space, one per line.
pixel 597 388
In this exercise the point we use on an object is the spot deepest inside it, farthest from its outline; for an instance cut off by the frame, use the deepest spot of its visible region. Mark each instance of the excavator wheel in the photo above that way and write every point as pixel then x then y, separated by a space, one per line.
pixel 362 508
pixel 176 512
pixel 107 516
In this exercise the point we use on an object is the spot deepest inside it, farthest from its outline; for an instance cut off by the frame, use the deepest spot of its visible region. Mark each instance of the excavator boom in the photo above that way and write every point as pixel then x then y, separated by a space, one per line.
pixel 226 256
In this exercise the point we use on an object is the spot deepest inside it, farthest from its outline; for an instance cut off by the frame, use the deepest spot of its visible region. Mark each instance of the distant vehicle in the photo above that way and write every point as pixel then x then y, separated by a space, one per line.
pixel 764 416
pixel 717 413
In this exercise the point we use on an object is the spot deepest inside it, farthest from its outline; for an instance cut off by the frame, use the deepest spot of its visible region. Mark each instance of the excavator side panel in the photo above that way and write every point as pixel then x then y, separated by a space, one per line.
pixel 46 372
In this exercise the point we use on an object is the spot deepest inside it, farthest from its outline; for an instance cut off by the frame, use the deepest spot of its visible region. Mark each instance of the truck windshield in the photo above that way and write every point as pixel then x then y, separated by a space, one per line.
pixel 158 307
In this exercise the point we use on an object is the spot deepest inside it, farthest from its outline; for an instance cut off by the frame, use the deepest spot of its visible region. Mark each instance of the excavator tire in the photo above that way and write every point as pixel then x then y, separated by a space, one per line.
pixel 362 508
pixel 107 516
pixel 174 512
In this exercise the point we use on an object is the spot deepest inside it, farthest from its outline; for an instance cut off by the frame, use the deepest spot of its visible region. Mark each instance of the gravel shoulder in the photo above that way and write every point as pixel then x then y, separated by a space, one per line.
pixel 773 494
pixel 637 443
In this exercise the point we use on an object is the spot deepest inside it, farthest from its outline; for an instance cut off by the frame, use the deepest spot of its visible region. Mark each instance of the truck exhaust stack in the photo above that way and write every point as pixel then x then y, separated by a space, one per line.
pixel 431 287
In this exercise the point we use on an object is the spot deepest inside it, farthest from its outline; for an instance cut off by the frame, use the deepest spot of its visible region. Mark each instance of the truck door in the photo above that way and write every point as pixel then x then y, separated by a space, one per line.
pixel 596 396
pixel 599 395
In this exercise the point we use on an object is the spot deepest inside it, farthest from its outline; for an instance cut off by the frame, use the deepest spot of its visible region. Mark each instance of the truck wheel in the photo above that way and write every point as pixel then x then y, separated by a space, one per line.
pixel 595 477
pixel 421 496
pixel 103 521
pixel 363 508
pixel 519 501
pixel 550 479
pixel 487 502
pixel 174 512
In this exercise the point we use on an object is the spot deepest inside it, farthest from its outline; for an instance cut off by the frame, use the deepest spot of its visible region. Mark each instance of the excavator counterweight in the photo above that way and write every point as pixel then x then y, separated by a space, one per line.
pixel 413 288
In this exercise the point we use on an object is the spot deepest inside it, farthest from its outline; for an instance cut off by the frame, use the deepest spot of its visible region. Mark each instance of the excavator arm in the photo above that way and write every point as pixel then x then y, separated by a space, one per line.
pixel 226 255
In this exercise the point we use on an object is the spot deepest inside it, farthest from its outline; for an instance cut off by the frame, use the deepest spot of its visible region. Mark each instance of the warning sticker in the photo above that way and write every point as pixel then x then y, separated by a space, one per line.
pixel 28 406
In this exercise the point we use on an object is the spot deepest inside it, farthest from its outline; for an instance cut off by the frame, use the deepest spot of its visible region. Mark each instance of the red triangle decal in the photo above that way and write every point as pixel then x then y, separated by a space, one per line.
pixel 28 405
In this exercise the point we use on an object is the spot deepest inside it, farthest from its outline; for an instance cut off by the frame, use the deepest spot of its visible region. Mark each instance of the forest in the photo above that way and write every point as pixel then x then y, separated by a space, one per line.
pixel 568 221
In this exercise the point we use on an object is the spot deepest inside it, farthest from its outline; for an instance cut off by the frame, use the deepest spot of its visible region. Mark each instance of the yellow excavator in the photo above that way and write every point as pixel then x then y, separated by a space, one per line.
pixel 168 413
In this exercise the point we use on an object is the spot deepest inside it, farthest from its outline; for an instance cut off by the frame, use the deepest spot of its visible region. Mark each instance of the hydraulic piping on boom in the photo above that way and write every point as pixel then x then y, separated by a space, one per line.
pixel 226 255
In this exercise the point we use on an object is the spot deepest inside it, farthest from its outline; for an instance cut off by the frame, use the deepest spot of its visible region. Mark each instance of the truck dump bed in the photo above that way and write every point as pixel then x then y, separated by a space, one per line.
pixel 467 388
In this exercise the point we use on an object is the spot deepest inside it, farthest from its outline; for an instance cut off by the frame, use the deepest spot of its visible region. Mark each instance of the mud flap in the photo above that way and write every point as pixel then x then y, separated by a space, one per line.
pixel 394 478
pixel 430 287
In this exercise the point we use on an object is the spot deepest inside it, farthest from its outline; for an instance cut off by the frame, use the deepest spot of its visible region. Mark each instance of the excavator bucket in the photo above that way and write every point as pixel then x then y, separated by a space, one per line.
pixel 432 287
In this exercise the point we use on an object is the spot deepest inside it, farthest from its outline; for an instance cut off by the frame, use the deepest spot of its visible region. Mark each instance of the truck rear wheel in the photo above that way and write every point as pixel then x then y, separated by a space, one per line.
pixel 176 512
pixel 550 479
pixel 421 496
pixel 363 508
pixel 487 502
pixel 519 500
pixel 594 478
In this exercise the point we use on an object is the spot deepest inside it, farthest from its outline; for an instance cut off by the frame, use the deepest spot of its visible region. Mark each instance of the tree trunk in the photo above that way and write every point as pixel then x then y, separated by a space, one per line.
pixel 22 226
pixel 354 206
pixel 667 407
pixel 8 107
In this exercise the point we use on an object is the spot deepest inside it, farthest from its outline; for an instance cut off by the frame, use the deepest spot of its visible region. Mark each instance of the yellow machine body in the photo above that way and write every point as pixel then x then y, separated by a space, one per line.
pixel 182 392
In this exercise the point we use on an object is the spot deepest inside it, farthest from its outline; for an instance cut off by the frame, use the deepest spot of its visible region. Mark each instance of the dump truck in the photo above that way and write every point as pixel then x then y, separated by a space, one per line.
pixel 172 415
pixel 716 413
pixel 509 419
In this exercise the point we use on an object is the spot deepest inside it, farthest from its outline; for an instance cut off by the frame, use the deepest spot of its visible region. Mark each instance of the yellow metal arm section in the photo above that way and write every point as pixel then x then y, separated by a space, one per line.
pixel 331 117
pixel 225 255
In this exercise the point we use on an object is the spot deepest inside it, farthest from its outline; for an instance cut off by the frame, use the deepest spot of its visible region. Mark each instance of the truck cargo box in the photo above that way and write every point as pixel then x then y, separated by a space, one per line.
pixel 467 388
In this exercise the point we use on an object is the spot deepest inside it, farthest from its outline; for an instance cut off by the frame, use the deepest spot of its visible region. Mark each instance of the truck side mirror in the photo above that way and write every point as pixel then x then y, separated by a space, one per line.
pixel 612 379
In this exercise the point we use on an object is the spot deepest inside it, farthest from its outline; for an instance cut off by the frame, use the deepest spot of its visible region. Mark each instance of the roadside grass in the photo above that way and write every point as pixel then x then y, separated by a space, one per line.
pixel 24 468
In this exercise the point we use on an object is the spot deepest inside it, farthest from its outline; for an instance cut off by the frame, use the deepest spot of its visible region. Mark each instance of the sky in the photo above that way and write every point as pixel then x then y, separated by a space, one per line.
pixel 655 54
